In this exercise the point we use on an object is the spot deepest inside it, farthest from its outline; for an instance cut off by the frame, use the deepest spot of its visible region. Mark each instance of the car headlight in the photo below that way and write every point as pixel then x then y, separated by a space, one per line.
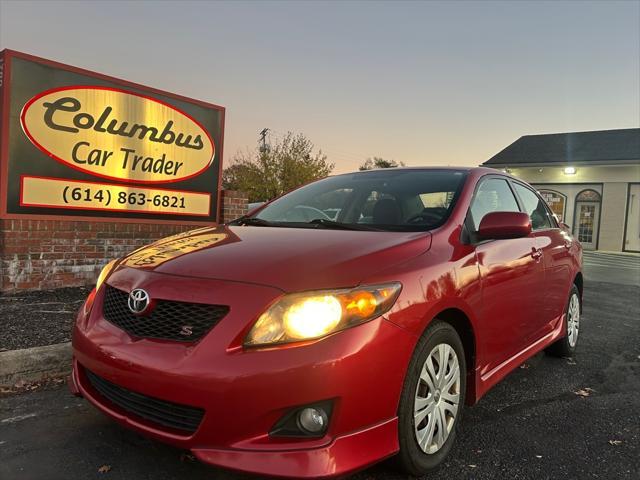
pixel 105 273
pixel 310 315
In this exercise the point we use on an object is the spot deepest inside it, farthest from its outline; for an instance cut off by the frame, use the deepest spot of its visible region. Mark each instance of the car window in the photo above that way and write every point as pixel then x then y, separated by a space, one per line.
pixel 331 203
pixel 365 213
pixel 534 207
pixel 436 199
pixel 388 199
pixel 493 195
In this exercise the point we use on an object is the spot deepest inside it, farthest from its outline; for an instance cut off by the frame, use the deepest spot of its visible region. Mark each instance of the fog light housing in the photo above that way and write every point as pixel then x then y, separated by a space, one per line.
pixel 312 420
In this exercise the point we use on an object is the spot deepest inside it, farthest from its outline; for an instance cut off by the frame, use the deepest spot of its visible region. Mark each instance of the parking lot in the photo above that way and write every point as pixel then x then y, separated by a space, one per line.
pixel 612 267
pixel 551 418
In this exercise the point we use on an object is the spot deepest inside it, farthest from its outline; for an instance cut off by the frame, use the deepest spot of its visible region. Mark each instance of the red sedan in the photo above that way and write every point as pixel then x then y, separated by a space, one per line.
pixel 345 322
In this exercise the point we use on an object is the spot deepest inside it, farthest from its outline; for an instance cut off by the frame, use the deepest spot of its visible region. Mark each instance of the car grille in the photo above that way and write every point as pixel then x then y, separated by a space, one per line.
pixel 161 412
pixel 177 321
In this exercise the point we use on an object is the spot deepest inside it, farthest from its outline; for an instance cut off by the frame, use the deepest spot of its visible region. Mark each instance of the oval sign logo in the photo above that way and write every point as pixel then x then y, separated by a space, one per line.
pixel 116 134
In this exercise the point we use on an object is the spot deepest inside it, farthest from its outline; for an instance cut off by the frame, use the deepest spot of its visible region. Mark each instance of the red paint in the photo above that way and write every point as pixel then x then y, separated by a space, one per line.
pixel 498 225
pixel 512 300
pixel 4 129
pixel 92 172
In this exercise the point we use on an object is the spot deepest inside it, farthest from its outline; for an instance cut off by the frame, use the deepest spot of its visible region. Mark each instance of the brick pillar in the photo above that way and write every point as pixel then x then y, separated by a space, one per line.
pixel 234 205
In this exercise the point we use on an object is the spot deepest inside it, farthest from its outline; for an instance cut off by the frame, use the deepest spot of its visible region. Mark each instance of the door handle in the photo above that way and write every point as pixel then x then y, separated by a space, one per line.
pixel 536 253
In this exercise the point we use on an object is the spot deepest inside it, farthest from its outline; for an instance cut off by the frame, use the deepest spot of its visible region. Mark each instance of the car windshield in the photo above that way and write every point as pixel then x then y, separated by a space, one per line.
pixel 388 200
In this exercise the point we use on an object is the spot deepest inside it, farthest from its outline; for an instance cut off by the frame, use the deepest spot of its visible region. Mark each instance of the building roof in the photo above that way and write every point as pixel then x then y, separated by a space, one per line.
pixel 601 146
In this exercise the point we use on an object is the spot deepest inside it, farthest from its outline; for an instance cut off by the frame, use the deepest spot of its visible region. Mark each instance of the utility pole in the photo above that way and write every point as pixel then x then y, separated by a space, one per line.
pixel 263 139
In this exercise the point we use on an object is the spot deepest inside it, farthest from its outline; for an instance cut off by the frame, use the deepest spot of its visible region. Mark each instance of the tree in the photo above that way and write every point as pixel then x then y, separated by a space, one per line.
pixel 287 164
pixel 379 162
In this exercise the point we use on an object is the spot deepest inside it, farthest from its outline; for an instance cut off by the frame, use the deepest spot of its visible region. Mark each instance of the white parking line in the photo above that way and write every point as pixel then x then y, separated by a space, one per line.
pixel 18 418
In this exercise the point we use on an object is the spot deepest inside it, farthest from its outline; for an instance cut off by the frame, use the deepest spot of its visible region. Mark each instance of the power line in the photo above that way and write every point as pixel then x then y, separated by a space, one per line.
pixel 359 157
pixel 332 152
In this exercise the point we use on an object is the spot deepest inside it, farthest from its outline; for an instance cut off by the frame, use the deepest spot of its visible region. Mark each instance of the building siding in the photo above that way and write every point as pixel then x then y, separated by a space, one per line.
pixel 612 216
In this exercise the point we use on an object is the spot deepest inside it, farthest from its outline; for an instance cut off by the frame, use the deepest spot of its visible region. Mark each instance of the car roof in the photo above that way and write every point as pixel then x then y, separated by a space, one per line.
pixel 478 170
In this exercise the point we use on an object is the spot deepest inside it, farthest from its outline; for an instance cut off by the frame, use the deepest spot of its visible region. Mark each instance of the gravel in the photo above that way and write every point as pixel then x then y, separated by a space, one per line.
pixel 34 319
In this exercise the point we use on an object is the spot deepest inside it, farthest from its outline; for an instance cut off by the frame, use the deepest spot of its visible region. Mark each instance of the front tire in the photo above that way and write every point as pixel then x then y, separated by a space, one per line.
pixel 566 346
pixel 432 400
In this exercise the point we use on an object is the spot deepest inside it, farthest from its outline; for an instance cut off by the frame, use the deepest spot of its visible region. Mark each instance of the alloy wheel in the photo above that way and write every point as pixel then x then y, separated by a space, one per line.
pixel 573 320
pixel 437 398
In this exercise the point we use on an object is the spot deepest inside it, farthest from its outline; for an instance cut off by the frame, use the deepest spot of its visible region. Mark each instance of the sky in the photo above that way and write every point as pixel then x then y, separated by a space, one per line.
pixel 424 83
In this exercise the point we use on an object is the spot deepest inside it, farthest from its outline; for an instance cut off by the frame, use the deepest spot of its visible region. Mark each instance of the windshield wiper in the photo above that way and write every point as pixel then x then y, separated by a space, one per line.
pixel 318 222
pixel 342 226
pixel 253 222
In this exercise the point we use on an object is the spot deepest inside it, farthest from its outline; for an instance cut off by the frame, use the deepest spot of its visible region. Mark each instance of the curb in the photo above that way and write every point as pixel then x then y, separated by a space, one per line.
pixel 36 363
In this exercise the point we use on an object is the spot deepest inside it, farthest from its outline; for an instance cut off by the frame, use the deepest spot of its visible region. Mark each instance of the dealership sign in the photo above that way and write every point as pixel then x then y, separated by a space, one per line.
pixel 118 135
pixel 79 143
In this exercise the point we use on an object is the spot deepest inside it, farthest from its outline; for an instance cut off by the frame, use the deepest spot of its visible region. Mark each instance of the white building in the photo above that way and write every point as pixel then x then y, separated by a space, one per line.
pixel 590 179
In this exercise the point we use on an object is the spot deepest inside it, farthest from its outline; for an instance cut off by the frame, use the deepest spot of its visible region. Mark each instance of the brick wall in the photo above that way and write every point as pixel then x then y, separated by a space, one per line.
pixel 234 204
pixel 46 254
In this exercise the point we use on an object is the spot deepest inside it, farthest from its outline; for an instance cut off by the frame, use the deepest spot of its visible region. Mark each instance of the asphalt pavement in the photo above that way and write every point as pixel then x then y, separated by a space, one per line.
pixel 612 267
pixel 551 418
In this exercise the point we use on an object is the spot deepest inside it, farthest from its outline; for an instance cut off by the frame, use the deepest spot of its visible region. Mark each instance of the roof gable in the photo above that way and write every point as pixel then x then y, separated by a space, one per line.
pixel 564 148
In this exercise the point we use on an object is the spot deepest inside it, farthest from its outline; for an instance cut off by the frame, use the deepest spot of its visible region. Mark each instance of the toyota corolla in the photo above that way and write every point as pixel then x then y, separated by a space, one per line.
pixel 345 322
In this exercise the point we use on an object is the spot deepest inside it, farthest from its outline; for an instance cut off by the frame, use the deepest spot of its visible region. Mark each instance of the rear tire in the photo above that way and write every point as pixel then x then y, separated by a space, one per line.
pixel 433 396
pixel 566 346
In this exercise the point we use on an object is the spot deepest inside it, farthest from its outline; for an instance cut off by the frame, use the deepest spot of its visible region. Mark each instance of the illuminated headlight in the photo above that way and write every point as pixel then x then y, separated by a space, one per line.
pixel 311 315
pixel 105 273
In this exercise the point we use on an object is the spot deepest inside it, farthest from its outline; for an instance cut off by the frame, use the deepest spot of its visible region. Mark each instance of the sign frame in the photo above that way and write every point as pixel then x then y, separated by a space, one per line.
pixel 6 57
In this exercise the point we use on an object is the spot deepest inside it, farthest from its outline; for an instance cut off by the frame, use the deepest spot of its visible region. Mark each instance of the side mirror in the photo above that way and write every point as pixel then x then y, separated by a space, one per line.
pixel 499 225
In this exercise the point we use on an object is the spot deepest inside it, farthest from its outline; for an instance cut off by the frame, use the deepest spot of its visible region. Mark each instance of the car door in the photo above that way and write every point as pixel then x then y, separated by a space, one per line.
pixel 511 276
pixel 555 246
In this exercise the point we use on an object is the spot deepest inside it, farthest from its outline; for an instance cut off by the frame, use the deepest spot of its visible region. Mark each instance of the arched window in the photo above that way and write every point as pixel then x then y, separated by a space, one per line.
pixel 586 221
pixel 588 196
pixel 557 202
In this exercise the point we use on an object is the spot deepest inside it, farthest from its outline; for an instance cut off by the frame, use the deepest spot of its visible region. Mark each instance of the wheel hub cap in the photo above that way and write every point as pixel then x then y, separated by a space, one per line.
pixel 437 398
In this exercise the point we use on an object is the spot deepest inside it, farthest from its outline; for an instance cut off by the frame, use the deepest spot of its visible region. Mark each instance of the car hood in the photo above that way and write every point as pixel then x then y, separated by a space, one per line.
pixel 291 259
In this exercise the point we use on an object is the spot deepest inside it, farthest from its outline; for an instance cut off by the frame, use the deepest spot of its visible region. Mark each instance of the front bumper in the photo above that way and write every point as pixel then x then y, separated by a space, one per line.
pixel 245 392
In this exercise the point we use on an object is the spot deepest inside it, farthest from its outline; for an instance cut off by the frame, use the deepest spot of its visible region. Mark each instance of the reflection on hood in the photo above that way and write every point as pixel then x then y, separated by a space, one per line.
pixel 291 259
pixel 172 247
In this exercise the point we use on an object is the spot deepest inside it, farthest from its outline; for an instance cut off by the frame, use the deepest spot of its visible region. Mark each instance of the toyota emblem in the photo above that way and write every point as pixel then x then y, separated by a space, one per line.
pixel 138 301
